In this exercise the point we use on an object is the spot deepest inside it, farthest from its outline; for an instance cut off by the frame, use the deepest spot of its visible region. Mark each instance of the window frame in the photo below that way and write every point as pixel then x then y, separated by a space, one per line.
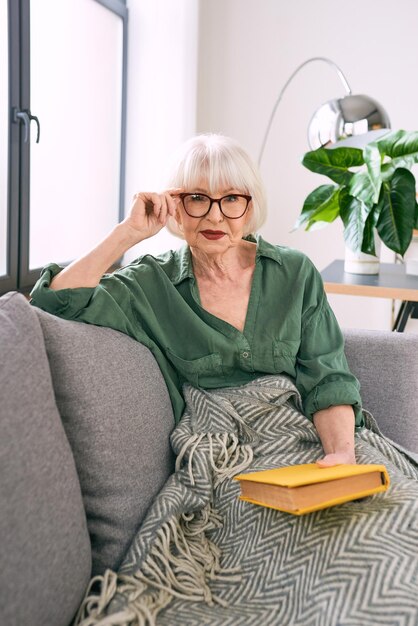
pixel 9 281
pixel 19 276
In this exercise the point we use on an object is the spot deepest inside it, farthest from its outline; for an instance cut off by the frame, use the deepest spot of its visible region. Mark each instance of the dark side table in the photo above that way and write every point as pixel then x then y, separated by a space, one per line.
pixel 391 282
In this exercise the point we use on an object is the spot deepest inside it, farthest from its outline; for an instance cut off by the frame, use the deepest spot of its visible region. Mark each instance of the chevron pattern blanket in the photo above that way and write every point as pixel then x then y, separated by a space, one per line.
pixel 203 556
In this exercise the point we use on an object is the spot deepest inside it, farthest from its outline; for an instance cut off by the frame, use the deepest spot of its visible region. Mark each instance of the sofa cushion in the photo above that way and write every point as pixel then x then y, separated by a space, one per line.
pixel 44 543
pixel 117 414
pixel 386 364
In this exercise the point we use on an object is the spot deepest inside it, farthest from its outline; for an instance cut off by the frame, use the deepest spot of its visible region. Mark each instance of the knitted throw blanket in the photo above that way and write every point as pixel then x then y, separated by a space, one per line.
pixel 202 556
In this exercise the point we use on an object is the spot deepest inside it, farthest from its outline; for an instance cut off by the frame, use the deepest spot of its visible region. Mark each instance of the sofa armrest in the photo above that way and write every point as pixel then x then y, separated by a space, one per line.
pixel 386 364
pixel 44 543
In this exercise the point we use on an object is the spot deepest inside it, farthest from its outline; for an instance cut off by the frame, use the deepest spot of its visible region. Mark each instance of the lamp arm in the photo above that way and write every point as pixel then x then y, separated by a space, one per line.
pixel 285 86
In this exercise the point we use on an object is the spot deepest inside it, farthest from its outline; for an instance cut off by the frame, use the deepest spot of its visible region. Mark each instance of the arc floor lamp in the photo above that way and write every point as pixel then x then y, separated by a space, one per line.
pixel 353 120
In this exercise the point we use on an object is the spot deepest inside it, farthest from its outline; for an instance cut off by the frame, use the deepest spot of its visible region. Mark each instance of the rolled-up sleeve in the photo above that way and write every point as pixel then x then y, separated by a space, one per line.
pixel 322 373
pixel 108 304
pixel 63 302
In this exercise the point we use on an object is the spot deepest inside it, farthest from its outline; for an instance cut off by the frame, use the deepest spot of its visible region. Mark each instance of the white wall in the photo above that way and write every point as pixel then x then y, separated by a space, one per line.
pixel 162 93
pixel 249 48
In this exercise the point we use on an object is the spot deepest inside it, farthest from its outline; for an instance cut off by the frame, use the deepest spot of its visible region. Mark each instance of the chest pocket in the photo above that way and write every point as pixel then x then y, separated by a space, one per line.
pixel 197 371
pixel 284 355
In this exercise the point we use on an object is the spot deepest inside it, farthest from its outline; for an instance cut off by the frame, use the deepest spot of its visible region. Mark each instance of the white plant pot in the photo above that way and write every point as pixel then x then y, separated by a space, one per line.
pixel 362 263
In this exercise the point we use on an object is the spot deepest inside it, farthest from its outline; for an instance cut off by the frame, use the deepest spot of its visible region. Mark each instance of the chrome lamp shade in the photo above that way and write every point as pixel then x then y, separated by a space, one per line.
pixel 350 121
pixel 353 120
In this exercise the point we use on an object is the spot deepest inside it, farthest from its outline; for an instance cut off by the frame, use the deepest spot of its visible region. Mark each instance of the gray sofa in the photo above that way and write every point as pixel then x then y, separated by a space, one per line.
pixel 85 419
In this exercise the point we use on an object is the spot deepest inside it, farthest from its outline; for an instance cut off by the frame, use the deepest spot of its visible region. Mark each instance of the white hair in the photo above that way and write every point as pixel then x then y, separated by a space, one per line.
pixel 223 164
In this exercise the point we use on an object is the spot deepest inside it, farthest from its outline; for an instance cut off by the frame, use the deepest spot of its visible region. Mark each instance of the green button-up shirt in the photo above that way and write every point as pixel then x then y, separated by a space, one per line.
pixel 289 328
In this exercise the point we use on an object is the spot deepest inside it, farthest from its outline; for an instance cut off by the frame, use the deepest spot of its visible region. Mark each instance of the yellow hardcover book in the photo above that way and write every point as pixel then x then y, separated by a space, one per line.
pixel 300 489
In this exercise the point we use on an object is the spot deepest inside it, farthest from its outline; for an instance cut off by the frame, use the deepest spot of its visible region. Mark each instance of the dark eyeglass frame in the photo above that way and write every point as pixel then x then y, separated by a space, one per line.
pixel 218 200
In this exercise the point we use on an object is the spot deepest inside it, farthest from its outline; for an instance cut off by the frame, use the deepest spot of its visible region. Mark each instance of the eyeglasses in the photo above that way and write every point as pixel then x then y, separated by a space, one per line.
pixel 232 206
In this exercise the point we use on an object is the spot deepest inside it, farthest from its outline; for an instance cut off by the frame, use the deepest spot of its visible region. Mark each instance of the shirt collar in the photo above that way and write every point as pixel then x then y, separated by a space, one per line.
pixel 183 267
pixel 264 248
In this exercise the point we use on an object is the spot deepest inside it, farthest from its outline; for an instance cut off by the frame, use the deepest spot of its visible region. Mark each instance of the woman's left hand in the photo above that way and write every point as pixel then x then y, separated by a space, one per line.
pixel 337 458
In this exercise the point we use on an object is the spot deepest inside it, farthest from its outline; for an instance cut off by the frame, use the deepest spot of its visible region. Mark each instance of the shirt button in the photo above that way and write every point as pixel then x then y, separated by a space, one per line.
pixel 245 355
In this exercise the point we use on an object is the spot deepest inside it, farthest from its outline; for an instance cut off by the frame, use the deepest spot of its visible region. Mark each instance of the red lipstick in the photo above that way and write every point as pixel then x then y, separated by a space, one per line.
pixel 212 234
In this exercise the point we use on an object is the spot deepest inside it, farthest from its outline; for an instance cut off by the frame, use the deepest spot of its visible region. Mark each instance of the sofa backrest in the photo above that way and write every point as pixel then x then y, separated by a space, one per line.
pixel 117 414
pixel 386 364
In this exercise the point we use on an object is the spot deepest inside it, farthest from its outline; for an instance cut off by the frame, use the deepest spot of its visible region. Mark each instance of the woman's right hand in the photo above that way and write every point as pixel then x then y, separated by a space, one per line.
pixel 149 213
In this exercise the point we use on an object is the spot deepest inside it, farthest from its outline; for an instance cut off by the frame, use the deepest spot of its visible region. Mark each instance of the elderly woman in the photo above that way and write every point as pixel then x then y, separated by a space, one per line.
pixel 243 328
pixel 226 308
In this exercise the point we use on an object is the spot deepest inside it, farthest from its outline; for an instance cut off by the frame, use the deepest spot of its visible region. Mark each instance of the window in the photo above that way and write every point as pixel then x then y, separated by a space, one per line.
pixel 63 168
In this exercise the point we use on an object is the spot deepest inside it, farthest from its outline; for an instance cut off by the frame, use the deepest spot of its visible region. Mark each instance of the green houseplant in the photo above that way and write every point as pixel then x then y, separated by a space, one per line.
pixel 372 188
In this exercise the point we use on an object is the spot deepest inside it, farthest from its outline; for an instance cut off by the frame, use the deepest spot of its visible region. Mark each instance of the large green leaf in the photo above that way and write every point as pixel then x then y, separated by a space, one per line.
pixel 416 216
pixel 321 205
pixel 368 244
pixel 398 144
pixel 397 211
pixel 363 188
pixel 354 214
pixel 402 148
pixel 334 163
pixel 373 160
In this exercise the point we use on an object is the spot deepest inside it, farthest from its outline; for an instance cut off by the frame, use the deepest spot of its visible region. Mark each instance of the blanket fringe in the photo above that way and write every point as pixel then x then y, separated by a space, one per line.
pixel 226 455
pixel 182 559
pixel 180 563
